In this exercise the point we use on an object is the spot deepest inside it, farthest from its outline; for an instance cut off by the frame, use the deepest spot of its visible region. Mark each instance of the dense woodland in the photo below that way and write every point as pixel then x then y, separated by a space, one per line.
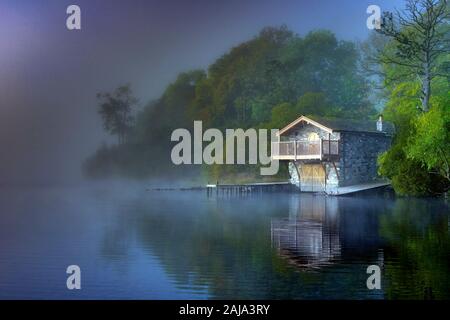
pixel 266 82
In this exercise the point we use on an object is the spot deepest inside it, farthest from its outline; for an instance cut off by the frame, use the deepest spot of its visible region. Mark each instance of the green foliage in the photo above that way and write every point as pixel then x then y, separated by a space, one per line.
pixel 419 104
pixel 407 176
pixel 278 67
pixel 311 103
pixel 418 145
pixel 282 114
pixel 430 144
pixel 316 103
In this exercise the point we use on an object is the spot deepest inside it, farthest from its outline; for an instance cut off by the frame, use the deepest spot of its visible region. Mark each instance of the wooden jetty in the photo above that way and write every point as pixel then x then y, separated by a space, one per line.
pixel 250 188
pixel 267 187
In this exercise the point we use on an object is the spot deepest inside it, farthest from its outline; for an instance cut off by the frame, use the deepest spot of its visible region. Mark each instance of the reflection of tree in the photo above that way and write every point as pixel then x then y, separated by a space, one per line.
pixel 418 248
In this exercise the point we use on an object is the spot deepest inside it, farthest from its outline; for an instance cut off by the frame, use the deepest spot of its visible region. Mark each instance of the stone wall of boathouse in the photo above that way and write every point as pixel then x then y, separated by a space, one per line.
pixel 359 152
pixel 357 164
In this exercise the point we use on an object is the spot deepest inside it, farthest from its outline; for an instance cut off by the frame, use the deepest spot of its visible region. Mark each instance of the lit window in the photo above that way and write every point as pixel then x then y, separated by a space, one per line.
pixel 313 136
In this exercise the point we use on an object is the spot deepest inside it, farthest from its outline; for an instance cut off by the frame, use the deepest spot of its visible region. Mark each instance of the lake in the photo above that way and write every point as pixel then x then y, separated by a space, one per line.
pixel 134 243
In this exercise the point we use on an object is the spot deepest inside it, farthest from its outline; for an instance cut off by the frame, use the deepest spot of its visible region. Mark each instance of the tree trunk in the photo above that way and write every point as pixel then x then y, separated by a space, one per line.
pixel 426 85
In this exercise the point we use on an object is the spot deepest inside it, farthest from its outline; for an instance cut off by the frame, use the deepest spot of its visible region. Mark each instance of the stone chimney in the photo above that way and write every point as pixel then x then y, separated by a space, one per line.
pixel 380 123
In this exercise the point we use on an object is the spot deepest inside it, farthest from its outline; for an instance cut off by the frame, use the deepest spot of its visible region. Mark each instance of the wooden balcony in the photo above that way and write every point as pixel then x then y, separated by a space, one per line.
pixel 305 150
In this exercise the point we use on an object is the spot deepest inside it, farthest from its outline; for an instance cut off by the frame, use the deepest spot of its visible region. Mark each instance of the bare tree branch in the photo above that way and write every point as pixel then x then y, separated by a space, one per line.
pixel 420 35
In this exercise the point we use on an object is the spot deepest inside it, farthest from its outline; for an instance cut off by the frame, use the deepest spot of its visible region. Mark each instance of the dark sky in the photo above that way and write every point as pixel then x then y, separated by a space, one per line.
pixel 49 76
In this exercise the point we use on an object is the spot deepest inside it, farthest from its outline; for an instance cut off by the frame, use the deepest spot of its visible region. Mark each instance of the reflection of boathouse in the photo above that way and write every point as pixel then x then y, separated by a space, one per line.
pixel 323 230
pixel 310 236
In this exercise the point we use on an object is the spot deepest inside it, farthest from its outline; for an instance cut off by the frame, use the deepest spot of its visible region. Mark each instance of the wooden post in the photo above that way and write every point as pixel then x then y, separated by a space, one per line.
pixel 295 149
pixel 329 144
pixel 275 147
pixel 320 148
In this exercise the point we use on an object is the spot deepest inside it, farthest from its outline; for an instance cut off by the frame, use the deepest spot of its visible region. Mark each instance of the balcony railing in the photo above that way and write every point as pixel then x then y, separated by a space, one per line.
pixel 305 150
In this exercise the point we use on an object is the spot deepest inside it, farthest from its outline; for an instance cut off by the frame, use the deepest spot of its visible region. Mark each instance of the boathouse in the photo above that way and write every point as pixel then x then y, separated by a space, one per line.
pixel 325 155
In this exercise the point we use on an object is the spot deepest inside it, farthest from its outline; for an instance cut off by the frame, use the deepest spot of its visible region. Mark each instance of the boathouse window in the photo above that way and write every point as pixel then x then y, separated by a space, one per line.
pixel 313 136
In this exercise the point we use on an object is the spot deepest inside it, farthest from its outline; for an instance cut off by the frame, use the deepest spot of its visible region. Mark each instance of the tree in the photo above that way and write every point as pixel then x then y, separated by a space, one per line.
pixel 430 144
pixel 410 55
pixel 282 115
pixel 420 37
pixel 115 109
pixel 316 104
pixel 415 157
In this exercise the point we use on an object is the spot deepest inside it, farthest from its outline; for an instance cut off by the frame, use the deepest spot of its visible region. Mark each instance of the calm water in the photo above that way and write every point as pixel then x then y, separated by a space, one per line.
pixel 137 244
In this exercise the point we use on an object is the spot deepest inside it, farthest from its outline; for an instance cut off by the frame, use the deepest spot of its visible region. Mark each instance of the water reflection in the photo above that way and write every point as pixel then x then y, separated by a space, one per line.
pixel 171 245
pixel 261 247
pixel 320 231
pixel 266 247
pixel 309 237
pixel 417 249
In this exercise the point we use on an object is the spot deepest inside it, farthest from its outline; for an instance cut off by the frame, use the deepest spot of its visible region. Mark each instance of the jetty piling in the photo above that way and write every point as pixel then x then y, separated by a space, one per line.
pixel 241 190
